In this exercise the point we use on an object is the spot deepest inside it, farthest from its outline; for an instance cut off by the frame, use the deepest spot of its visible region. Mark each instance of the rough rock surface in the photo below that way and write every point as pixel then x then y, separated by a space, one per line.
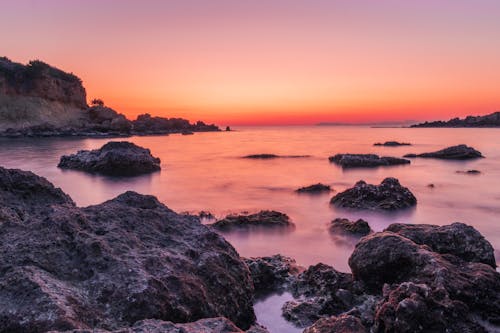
pixel 459 152
pixel 110 265
pixel 366 160
pixel 392 144
pixel 314 189
pixel 340 324
pixel 272 272
pixel 353 228
pixel 114 158
pixel 389 195
pixel 264 218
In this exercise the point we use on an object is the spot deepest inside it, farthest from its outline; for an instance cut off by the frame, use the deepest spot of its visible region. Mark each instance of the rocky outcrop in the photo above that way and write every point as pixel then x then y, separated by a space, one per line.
pixel 459 152
pixel 392 144
pixel 358 228
pixel 340 324
pixel 272 156
pixel 270 273
pixel 389 195
pixel 490 120
pixel 365 160
pixel 264 218
pixel 145 124
pixel 314 189
pixel 114 158
pixel 110 265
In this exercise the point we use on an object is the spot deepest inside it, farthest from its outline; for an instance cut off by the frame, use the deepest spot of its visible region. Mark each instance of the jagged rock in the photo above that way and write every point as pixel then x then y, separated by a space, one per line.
pixel 303 313
pixel 272 156
pixel 389 195
pixel 114 158
pixel 314 189
pixel 353 228
pixel 459 152
pixel 264 218
pixel 272 272
pixel 392 144
pixel 340 324
pixel 458 239
pixel 110 265
pixel 365 160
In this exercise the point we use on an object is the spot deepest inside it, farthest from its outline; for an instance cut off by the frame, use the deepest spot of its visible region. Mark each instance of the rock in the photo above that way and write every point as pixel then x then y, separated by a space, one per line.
pixel 187 133
pixel 459 152
pixel 365 160
pixel 270 273
pixel 490 120
pixel 272 156
pixel 431 185
pixel 145 124
pixel 110 265
pixel 114 158
pixel 228 129
pixel 389 195
pixel 353 228
pixel 314 189
pixel 470 172
pixel 340 324
pixel 392 144
pixel 458 239
pixel 264 218
pixel 206 215
pixel 302 313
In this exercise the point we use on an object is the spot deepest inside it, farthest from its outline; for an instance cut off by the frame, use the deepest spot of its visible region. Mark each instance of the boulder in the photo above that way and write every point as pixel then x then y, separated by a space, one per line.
pixel 114 158
pixel 264 218
pixel 269 273
pixel 392 144
pixel 389 195
pixel 340 324
pixel 110 265
pixel 365 160
pixel 343 226
pixel 314 189
pixel 459 152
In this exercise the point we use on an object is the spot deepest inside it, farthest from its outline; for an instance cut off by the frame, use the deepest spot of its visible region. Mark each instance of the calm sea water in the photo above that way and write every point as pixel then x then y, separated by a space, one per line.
pixel 205 171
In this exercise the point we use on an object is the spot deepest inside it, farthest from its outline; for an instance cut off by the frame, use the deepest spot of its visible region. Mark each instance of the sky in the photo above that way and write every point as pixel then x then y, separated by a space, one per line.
pixel 269 61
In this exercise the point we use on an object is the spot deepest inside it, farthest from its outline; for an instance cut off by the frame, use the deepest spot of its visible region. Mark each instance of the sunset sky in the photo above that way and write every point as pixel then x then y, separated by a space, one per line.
pixel 270 61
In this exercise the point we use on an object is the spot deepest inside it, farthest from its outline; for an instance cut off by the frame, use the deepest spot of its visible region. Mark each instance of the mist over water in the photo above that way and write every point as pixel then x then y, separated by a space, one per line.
pixel 205 171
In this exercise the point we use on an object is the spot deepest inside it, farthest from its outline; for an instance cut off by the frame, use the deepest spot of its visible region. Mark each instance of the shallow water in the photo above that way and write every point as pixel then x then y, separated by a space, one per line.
pixel 205 172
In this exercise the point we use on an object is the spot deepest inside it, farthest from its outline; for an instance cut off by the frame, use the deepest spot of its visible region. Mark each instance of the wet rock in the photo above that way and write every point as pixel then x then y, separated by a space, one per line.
pixel 264 218
pixel 302 313
pixel 459 152
pixel 114 158
pixel 392 144
pixel 110 265
pixel 340 324
pixel 357 228
pixel 314 189
pixel 269 273
pixel 458 239
pixel 389 195
pixel 272 156
pixel 365 160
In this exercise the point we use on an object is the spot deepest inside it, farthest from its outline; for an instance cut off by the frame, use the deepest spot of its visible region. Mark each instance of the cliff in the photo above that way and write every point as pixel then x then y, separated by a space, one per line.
pixel 490 120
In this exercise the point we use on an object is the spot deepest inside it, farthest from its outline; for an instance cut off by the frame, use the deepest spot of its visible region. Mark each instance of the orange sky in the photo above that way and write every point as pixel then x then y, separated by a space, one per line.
pixel 270 62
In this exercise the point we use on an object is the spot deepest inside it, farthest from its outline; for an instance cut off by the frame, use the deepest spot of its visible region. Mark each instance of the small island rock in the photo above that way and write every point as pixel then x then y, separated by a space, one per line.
pixel 314 189
pixel 264 218
pixel 353 228
pixel 459 152
pixel 392 144
pixel 365 160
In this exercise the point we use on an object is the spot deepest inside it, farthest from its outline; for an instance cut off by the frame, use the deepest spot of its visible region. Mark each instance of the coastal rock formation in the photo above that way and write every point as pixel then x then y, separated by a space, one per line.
pixel 392 144
pixel 145 124
pixel 340 324
pixel 357 228
pixel 268 273
pixel 272 156
pixel 389 195
pixel 490 120
pixel 314 189
pixel 110 265
pixel 114 158
pixel 264 218
pixel 459 152
pixel 365 160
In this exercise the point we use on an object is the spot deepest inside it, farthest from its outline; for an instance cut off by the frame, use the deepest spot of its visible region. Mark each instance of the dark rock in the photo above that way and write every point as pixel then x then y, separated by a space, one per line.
pixel 340 324
pixel 458 239
pixel 145 124
pixel 206 215
pixel 354 228
pixel 470 172
pixel 302 313
pixel 264 218
pixel 316 188
pixel 365 160
pixel 187 133
pixel 389 195
pixel 272 156
pixel 392 144
pixel 228 129
pixel 459 152
pixel 110 265
pixel 269 273
pixel 431 185
pixel 114 158
pixel 490 120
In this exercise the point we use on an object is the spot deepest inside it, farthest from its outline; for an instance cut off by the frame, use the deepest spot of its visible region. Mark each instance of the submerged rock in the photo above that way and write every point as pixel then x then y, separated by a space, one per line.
pixel 272 156
pixel 110 265
pixel 389 195
pixel 114 158
pixel 353 228
pixel 470 172
pixel 272 272
pixel 264 218
pixel 459 152
pixel 392 144
pixel 314 189
pixel 365 160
